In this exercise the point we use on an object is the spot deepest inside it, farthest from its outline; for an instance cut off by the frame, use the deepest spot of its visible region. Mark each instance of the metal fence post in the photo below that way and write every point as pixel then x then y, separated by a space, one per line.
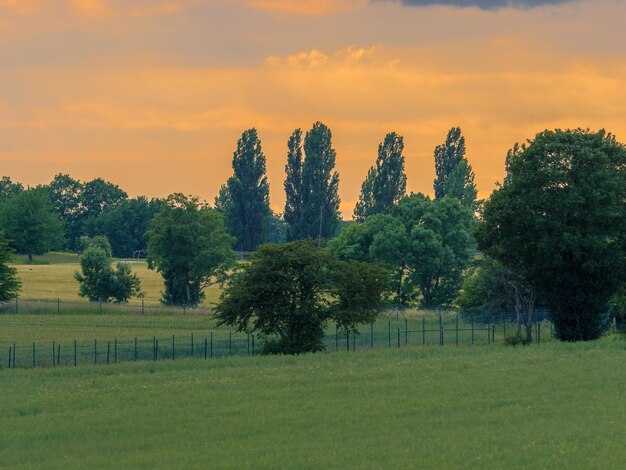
pixel 230 343
pixel 108 350
pixel 115 351
pixel 10 351
pixel 205 346
pixel 347 341
pixel 95 351
pixel 142 307
pixel 191 344
pixel 253 345
pixel 58 306
pixel 135 356
pixel 457 329
pixel 17 305
pixel 211 344
pixel 53 354
pixel 406 332
pixel 472 329
pixel 423 330
pixel 372 335
pixel 398 337
pixel 173 349
pixel 75 355
pixel 336 337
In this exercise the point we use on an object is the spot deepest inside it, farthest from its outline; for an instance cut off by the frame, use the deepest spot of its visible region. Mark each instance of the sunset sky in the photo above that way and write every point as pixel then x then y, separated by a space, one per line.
pixel 153 94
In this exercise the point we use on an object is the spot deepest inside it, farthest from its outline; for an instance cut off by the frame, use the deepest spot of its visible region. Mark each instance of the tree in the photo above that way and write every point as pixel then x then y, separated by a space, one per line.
pixel 8 188
pixel 125 225
pixel 189 245
pixel 291 291
pixel 248 216
pixel 66 197
pixel 560 223
pixel 454 175
pixel 293 185
pixel 30 222
pixel 10 283
pixel 386 182
pixel 99 194
pixel 312 208
pixel 99 281
pixel 425 244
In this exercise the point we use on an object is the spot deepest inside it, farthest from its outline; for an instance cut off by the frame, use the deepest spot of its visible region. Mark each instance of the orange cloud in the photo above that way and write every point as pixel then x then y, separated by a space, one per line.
pixel 305 7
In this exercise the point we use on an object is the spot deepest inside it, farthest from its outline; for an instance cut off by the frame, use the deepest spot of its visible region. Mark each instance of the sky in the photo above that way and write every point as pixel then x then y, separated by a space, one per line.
pixel 153 94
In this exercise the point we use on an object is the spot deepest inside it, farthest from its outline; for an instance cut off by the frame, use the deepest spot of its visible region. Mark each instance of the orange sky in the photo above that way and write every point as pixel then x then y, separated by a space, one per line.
pixel 153 95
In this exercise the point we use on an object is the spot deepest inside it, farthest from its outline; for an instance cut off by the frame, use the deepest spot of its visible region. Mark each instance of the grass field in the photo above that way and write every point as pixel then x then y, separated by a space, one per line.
pixel 53 278
pixel 549 406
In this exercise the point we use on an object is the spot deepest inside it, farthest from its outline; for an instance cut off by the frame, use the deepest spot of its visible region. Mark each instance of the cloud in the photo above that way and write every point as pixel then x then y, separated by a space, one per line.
pixel 486 4
pixel 302 7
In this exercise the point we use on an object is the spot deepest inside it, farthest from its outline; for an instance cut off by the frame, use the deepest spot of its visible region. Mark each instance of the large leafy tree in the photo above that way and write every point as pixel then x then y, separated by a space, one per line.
pixel 560 222
pixel 8 188
pixel 66 198
pixel 454 175
pixel 291 291
pixel 99 194
pixel 385 183
pixel 425 244
pixel 314 211
pixel 10 283
pixel 99 280
pixel 125 225
pixel 293 185
pixel 189 245
pixel 248 214
pixel 30 222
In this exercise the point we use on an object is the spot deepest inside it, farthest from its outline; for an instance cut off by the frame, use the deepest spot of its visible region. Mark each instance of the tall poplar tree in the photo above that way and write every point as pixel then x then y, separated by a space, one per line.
pixel 319 213
pixel 293 184
pixel 249 214
pixel 454 175
pixel 386 182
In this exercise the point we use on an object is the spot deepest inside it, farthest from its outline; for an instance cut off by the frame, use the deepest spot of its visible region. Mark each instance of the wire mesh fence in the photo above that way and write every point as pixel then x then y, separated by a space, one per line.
pixel 441 328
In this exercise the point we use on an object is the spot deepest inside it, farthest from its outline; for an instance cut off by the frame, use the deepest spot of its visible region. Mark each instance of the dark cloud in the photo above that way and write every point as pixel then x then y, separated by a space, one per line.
pixel 486 4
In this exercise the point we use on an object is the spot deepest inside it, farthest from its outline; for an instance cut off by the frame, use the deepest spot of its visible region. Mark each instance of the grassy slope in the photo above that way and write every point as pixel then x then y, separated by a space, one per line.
pixel 553 406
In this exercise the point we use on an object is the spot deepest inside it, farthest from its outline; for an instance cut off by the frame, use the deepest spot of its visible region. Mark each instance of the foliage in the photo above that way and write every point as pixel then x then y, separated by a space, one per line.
pixel 312 204
pixel 279 230
pixel 454 175
pixel 10 283
pixel 385 183
pixel 188 244
pixel 99 281
pixel 99 194
pixel 425 244
pixel 125 225
pixel 293 185
pixel 30 223
pixel 560 223
pixel 8 188
pixel 617 305
pixel 248 214
pixel 290 291
pixel 66 198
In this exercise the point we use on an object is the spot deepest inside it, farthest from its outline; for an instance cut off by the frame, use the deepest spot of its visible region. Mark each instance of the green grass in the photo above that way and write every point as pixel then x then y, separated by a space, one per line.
pixel 549 406
pixel 49 258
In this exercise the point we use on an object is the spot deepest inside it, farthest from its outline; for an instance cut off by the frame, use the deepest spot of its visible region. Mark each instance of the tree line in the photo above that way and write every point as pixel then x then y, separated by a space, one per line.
pixel 552 235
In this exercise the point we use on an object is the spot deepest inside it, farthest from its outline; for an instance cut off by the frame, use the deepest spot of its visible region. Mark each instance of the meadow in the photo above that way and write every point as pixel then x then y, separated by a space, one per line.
pixel 548 406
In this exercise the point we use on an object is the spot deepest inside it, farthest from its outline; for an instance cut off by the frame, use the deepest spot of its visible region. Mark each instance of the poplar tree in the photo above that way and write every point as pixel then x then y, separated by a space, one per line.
pixel 385 183
pixel 314 212
pixel 249 214
pixel 454 175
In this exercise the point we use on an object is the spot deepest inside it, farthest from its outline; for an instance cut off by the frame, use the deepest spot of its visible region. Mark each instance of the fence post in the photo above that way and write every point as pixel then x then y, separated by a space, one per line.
pixel 253 345
pixel 406 332
pixel 354 340
pixel 142 307
pixel 184 309
pixel 33 354
pixel 504 328
pixel 115 351
pixel 95 351
pixel 472 329
pixel 440 329
pixel 156 350
pixel 457 329
pixel 372 335
pixel 59 354
pixel 17 305
pixel 211 344
pixel 389 331
pixel 230 343
pixel 10 351
pixel 135 356
pixel 347 341
pixel 108 350
pixel 336 338
pixel 58 306
pixel 173 349
pixel 53 355
pixel 100 305
pixel 493 333
pixel 205 346
pixel 75 362
pixel 248 341
pixel 398 337
pixel 191 344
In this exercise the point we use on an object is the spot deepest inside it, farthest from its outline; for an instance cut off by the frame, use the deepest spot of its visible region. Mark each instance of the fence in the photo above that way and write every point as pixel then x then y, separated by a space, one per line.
pixel 430 329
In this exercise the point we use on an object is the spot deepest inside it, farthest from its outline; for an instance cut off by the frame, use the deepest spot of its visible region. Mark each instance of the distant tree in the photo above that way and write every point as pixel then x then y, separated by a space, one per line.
pixel 316 191
pixel 189 245
pixel 365 205
pixel 30 222
pixel 454 175
pixel 278 230
pixel 8 188
pixel 125 225
pixel 99 281
pixel 291 291
pixel 293 185
pixel 10 283
pixel 425 244
pixel 559 222
pixel 66 197
pixel 386 182
pixel 99 194
pixel 511 155
pixel 248 214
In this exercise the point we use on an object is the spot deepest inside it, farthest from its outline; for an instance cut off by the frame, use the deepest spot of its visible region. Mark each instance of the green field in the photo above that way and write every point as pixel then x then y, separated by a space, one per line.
pixel 548 406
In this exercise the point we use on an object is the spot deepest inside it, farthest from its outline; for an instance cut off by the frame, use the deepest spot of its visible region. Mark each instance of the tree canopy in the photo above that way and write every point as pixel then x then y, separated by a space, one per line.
pixel 560 223
pixel 189 245
pixel 291 291
pixel 312 202
pixel 385 183
pixel 30 223
pixel 10 283
pixel 425 244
